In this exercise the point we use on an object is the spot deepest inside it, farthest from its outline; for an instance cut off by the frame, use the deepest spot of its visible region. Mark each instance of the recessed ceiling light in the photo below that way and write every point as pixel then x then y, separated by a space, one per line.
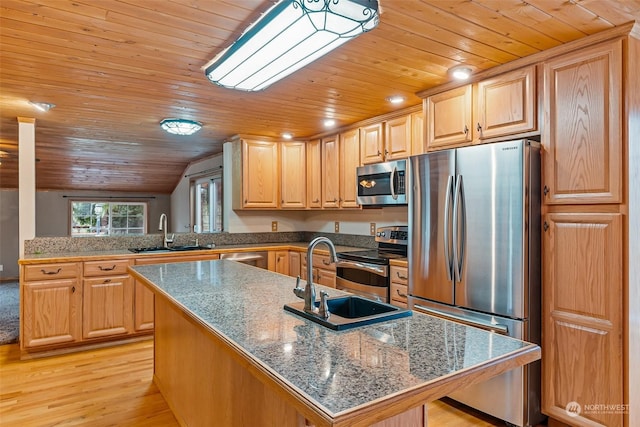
pixel 287 135
pixel 42 106
pixel 181 126
pixel 460 72
pixel 396 99
pixel 329 123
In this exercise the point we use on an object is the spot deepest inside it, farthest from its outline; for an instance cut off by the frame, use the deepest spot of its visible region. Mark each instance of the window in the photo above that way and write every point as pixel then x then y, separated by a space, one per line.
pixel 207 204
pixel 103 218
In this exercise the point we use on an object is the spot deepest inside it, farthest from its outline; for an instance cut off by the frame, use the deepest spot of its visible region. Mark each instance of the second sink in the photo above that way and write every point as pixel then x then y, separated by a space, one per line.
pixel 351 311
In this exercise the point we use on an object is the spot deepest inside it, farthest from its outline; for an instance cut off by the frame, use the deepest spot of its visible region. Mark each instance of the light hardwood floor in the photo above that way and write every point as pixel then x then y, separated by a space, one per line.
pixel 114 387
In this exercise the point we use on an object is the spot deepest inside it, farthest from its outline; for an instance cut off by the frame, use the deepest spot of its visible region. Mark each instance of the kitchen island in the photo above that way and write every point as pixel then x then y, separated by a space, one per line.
pixel 226 353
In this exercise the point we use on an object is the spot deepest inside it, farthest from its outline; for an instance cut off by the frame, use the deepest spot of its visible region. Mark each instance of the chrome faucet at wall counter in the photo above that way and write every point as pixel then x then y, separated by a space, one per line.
pixel 163 227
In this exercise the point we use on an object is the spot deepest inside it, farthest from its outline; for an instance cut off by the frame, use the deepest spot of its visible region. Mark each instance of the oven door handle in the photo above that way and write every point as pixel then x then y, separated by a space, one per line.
pixel 381 270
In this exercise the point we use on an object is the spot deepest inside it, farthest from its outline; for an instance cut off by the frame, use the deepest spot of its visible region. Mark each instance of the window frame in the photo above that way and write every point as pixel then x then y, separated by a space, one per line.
pixel 111 203
pixel 194 202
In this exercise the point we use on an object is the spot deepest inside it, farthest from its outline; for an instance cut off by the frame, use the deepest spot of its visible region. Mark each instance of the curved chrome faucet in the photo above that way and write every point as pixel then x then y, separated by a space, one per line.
pixel 163 227
pixel 309 292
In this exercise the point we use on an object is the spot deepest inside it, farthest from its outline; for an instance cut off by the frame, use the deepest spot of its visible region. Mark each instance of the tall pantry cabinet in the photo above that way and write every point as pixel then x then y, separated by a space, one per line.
pixel 590 135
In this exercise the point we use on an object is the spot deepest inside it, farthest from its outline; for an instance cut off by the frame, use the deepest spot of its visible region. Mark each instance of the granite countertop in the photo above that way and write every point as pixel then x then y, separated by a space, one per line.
pixel 338 370
pixel 125 253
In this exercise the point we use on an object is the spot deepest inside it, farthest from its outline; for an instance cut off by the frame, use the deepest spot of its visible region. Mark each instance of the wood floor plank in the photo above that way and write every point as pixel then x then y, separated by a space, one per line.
pixel 113 387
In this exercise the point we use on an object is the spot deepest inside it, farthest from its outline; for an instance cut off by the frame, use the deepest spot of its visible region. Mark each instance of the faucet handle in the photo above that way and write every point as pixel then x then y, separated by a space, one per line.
pixel 298 291
pixel 323 310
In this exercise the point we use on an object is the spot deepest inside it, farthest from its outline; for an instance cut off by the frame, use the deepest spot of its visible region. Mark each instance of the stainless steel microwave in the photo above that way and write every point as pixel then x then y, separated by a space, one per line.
pixel 382 184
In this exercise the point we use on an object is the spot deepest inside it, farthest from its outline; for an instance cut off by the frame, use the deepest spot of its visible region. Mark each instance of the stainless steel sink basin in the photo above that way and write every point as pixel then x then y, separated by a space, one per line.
pixel 153 249
pixel 351 311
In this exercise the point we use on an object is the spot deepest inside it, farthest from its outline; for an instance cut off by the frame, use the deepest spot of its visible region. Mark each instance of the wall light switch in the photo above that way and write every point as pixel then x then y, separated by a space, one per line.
pixel 372 228
pixel 274 225
pixel 337 226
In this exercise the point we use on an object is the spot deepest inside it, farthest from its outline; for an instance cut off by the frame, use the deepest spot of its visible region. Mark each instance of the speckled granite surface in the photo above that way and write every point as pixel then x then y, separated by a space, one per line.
pixel 338 370
pixel 58 245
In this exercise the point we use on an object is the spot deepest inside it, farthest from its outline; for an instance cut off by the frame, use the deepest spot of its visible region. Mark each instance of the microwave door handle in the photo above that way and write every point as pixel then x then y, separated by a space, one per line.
pixel 392 183
pixel 447 213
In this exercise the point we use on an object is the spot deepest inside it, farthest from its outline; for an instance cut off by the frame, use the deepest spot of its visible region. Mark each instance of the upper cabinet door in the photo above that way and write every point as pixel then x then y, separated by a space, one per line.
pixel 397 138
pixel 314 174
pixel 417 133
pixel 349 161
pixel 259 174
pixel 293 185
pixel 582 136
pixel 449 118
pixel 506 104
pixel 330 172
pixel 372 143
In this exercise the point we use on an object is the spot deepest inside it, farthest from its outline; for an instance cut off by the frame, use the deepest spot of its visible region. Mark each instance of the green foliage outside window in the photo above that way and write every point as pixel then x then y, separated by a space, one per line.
pixel 100 218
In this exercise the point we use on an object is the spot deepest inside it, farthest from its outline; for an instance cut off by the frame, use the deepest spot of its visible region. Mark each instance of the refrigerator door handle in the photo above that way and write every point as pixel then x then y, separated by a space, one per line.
pixel 392 183
pixel 459 228
pixel 447 228
pixel 495 327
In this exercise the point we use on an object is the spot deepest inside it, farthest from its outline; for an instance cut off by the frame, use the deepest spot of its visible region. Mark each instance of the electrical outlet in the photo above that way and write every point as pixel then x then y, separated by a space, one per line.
pixel 1 267
pixel 372 228
pixel 274 225
pixel 337 226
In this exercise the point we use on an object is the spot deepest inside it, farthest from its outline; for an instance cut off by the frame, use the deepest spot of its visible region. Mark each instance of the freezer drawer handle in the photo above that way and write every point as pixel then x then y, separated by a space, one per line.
pixel 496 327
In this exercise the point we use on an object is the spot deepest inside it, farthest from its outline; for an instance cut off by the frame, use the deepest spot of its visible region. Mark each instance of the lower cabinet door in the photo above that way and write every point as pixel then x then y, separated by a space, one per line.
pixel 51 312
pixel 582 346
pixel 108 306
pixel 143 312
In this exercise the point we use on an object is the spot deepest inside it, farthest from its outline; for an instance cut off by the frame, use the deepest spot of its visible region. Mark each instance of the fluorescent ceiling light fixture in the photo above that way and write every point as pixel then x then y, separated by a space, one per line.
pixel 396 99
pixel 287 37
pixel 460 72
pixel 42 106
pixel 181 126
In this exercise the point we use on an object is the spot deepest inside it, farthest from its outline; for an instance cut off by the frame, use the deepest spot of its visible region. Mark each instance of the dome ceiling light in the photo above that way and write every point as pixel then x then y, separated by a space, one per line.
pixel 181 126
pixel 461 72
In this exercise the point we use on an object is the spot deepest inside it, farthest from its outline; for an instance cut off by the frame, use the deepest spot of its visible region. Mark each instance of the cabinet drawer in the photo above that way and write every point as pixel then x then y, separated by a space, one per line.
pixel 398 292
pixel 399 275
pixel 66 270
pixel 105 268
pixel 323 261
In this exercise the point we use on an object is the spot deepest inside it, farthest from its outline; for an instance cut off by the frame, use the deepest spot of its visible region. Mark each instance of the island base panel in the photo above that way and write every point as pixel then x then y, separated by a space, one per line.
pixel 205 383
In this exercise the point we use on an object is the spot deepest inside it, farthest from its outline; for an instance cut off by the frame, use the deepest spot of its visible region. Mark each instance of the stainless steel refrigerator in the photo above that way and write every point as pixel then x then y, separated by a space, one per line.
pixel 474 257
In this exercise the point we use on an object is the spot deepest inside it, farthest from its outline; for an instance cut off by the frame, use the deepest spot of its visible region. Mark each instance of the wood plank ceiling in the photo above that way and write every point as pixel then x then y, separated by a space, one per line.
pixel 115 68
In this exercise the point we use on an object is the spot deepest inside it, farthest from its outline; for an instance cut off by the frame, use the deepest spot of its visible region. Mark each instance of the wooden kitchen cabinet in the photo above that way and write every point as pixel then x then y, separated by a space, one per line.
pixel 582 138
pixel 449 118
pixel 349 161
pixel 330 172
pixel 51 312
pixel 496 107
pixel 323 270
pixel 295 264
pixel 418 132
pixel 397 138
pixel 582 347
pixel 399 278
pixel 314 174
pixel 107 307
pixel 293 176
pixel 256 177
pixel 279 262
pixel 372 143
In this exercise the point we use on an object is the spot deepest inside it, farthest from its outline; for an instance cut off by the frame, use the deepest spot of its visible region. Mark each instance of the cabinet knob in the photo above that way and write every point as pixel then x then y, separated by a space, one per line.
pixel 386 152
pixel 546 190
pixel 545 226
pixel 379 153
pixel 466 130
pixel 73 289
pixel 479 128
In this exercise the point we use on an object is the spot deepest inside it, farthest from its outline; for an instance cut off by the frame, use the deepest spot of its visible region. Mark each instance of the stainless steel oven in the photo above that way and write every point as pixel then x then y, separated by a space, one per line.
pixel 366 273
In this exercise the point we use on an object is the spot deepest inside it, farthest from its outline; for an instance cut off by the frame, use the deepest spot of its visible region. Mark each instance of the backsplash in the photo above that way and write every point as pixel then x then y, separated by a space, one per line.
pixel 44 245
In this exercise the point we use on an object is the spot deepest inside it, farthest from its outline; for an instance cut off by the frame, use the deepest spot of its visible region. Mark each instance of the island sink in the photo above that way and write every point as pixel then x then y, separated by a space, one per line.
pixel 350 311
